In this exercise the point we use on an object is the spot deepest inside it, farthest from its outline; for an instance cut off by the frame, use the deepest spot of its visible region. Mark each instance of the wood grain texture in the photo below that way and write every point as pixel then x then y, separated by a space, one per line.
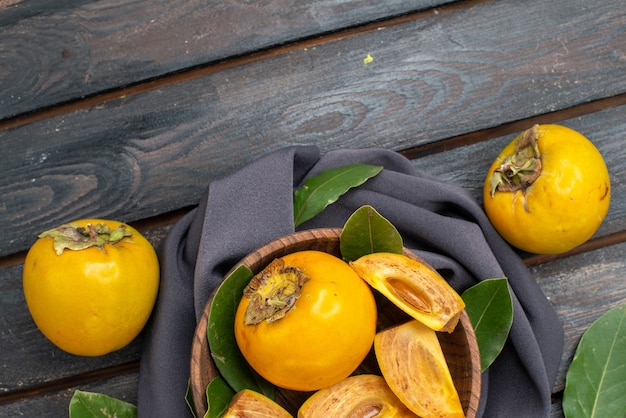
pixel 53 52
pixel 431 79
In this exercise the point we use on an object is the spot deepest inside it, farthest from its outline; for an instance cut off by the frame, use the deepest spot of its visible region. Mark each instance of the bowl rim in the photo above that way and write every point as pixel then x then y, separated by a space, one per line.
pixel 199 378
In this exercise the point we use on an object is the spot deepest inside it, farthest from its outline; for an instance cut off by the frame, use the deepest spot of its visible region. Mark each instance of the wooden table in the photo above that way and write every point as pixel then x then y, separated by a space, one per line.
pixel 128 110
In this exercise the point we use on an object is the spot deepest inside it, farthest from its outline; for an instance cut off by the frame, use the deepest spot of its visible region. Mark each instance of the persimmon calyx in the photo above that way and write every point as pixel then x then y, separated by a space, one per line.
pixel 520 169
pixel 273 292
pixel 76 237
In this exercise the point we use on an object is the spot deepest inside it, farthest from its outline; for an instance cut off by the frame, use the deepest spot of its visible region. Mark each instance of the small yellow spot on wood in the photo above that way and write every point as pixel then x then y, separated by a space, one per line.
pixel 367 59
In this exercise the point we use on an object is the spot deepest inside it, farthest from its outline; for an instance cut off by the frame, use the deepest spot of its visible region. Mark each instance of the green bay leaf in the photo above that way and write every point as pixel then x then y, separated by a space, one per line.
pixel 324 189
pixel 96 405
pixel 218 395
pixel 231 364
pixel 490 309
pixel 367 232
pixel 595 384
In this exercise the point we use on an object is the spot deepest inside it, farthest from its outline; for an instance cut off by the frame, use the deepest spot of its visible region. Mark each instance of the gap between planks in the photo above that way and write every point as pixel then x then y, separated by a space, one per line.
pixel 514 127
pixel 70 381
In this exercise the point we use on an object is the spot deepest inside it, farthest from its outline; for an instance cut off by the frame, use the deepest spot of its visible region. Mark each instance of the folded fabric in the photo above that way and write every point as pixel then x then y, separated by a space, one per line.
pixel 441 222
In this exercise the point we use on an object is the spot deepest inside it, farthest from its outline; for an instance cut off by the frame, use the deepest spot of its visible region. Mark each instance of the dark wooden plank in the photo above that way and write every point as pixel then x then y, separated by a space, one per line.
pixel 56 404
pixel 430 79
pixel 55 51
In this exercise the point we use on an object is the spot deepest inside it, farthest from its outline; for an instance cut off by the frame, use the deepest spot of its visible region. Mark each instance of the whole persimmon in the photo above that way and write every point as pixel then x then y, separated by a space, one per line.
pixel 90 285
pixel 306 321
pixel 548 190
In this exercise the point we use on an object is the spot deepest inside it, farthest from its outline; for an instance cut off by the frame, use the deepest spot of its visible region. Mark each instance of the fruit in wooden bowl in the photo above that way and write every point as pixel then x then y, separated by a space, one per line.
pixel 458 346
pixel 306 321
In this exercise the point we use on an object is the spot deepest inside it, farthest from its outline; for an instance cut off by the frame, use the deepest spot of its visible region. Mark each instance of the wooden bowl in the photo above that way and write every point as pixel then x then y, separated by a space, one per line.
pixel 459 347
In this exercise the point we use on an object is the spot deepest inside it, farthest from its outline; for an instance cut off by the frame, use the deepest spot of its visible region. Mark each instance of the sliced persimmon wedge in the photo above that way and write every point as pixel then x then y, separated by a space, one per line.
pixel 414 287
pixel 364 395
pixel 413 364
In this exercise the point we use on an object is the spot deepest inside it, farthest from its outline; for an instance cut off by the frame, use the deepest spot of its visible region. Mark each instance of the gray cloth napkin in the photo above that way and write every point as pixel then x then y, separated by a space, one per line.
pixel 440 222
